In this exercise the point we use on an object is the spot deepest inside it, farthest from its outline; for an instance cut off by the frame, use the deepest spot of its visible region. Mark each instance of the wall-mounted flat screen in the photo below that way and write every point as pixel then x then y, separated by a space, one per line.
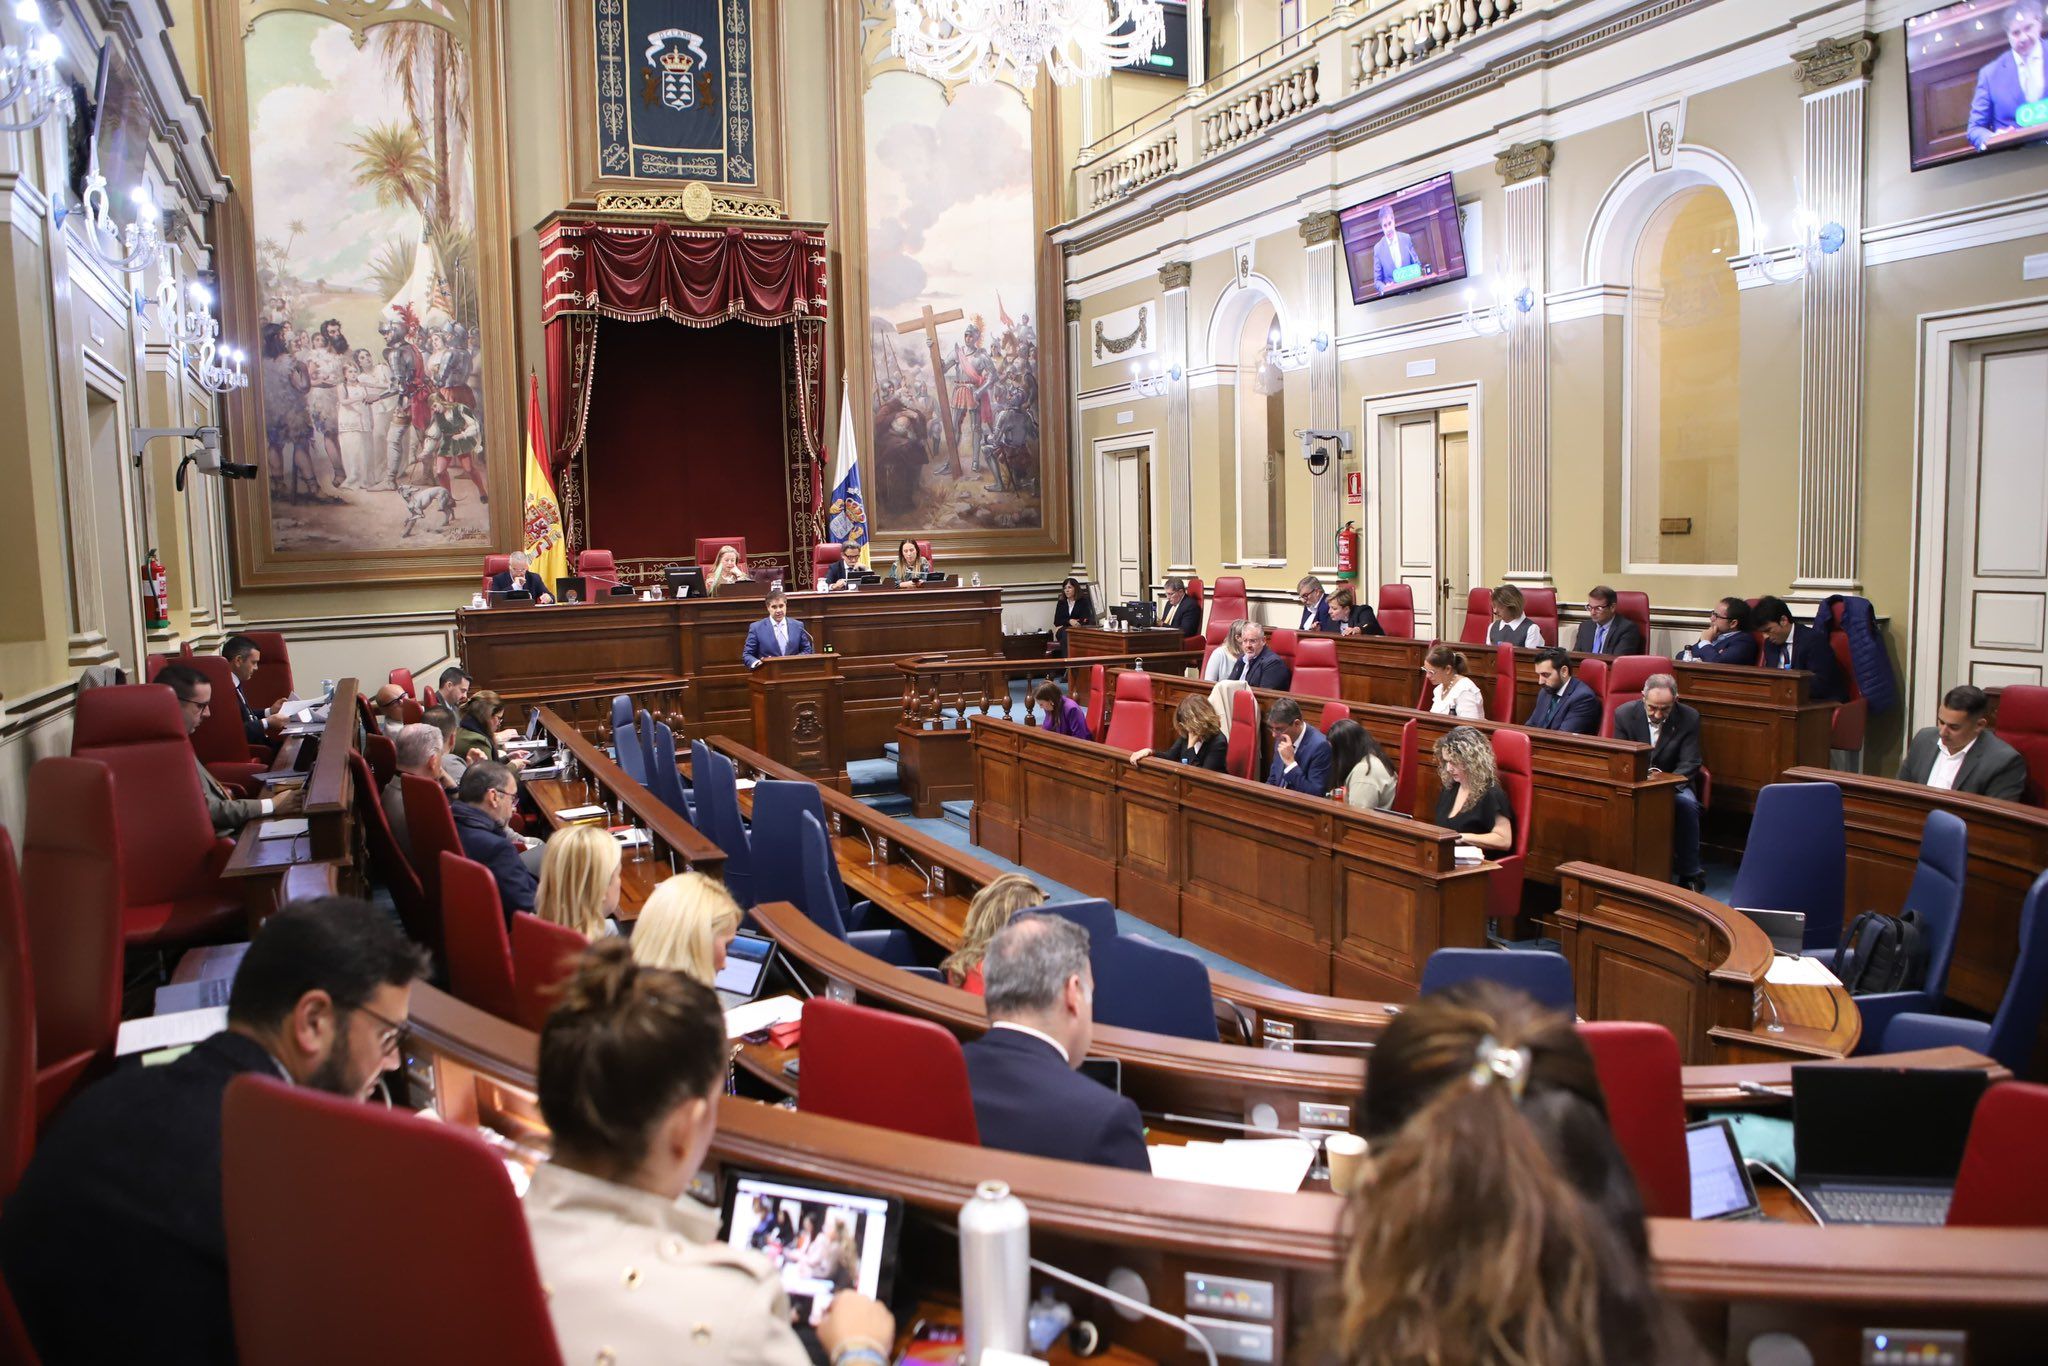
pixel 1170 58
pixel 1403 241
pixel 1976 80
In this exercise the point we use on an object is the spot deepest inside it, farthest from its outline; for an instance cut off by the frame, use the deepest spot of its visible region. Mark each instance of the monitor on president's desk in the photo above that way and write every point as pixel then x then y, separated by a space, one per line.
pixel 570 588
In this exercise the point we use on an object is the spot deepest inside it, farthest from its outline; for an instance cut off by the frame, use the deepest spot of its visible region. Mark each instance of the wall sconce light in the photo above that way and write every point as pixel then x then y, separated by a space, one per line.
pixel 1296 357
pixel 1817 241
pixel 134 247
pixel 28 74
pixel 1155 383
pixel 1495 318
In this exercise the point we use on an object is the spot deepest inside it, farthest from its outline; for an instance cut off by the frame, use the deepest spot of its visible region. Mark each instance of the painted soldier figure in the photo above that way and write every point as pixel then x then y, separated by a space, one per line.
pixel 409 385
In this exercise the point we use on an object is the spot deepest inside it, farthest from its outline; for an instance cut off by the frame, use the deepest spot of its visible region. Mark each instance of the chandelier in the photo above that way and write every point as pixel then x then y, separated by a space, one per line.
pixel 973 40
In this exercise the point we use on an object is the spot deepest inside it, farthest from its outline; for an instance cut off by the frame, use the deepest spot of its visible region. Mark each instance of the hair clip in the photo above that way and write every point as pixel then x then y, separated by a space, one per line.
pixel 1490 1061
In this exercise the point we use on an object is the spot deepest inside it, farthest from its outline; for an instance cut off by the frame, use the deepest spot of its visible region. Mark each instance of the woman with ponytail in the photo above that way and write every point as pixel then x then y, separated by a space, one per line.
pixel 632 1061
pixel 1497 1223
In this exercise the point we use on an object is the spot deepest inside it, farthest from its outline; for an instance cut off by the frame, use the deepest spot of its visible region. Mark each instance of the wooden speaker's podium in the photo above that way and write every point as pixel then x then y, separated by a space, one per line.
pixel 799 720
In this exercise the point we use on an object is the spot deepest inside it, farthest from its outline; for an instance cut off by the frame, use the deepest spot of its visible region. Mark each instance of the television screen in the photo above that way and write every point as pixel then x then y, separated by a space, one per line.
pixel 1976 80
pixel 1170 58
pixel 1403 241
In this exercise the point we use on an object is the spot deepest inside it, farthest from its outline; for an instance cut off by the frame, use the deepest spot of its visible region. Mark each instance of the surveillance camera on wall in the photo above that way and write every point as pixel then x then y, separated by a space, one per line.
pixel 1320 447
pixel 204 454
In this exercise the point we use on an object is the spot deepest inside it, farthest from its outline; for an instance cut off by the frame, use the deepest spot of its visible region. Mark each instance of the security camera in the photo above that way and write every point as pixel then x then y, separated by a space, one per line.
pixel 204 454
pixel 1318 446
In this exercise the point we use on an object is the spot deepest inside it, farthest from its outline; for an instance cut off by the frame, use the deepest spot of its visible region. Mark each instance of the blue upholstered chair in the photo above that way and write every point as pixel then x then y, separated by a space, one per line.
pixel 818 900
pixel 626 739
pixel 1094 915
pixel 1936 897
pixel 1141 985
pixel 645 731
pixel 1545 976
pixel 718 815
pixel 1795 858
pixel 663 778
pixel 778 864
pixel 2010 1035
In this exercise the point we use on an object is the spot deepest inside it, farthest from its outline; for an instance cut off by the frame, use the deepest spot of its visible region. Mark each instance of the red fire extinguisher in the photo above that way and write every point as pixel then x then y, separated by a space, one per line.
pixel 156 592
pixel 1347 551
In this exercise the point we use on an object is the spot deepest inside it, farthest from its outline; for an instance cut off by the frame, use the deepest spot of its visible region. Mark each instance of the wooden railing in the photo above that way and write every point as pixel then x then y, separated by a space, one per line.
pixel 676 841
pixel 934 687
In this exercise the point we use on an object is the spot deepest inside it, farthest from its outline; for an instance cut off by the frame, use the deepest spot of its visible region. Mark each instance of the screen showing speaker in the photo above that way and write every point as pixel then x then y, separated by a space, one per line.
pixel 1976 80
pixel 1404 241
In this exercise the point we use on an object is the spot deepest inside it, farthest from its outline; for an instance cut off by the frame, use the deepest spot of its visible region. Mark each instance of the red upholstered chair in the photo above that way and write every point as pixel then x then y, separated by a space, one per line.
pixel 543 953
pixel 709 546
pixel 1501 708
pixel 2002 1183
pixel 1850 719
pixel 924 548
pixel 382 754
pixel 1315 667
pixel 495 565
pixel 1130 714
pixel 70 890
pixel 824 555
pixel 14 1344
pixel 1478 616
pixel 430 829
pixel 2022 722
pixel 1625 677
pixel 1410 766
pixel 890 1071
pixel 1639 1072
pixel 1511 759
pixel 410 713
pixel 17 1034
pixel 479 951
pixel 273 677
pixel 220 741
pixel 1540 606
pixel 332 1206
pixel 1635 607
pixel 1227 603
pixel 403 678
pixel 1284 642
pixel 1593 673
pixel 171 861
pixel 430 698
pixel 1333 712
pixel 1396 609
pixel 388 862
pixel 1095 702
pixel 597 568
pixel 1241 755
pixel 1198 644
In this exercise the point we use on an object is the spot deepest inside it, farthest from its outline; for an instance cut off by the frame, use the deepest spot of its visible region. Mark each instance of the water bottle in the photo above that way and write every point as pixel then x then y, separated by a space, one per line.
pixel 995 1271
pixel 977 578
pixel 775 587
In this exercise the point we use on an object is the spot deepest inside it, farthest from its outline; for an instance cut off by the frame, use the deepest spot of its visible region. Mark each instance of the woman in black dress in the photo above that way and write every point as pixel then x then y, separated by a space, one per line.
pixel 1075 608
pixel 1200 742
pixel 1473 802
pixel 1352 617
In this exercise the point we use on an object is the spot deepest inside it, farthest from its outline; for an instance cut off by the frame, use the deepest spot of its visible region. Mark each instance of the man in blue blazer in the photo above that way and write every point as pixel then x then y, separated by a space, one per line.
pixel 1259 666
pixel 1394 252
pixel 1562 701
pixel 1027 1096
pixel 1726 640
pixel 1791 646
pixel 1315 607
pixel 2014 78
pixel 1301 754
pixel 483 807
pixel 1182 612
pixel 776 635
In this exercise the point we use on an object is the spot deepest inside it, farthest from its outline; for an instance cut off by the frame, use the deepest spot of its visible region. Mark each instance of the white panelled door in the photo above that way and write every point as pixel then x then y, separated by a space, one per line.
pixel 1995 626
pixel 1126 526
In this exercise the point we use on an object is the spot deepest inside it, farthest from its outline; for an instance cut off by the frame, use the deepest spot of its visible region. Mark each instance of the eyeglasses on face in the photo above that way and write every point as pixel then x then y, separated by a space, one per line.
pixel 389 1035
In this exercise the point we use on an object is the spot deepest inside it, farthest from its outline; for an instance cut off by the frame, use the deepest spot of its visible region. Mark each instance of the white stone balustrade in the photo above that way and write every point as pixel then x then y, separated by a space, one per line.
pixel 1132 168
pixel 1398 36
pixel 1254 107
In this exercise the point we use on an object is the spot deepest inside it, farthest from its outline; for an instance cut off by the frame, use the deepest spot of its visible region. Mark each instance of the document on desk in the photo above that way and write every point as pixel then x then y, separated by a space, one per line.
pixel 758 1015
pixel 1800 972
pixel 1251 1164
pixel 283 828
pixel 214 961
pixel 580 813
pixel 169 1031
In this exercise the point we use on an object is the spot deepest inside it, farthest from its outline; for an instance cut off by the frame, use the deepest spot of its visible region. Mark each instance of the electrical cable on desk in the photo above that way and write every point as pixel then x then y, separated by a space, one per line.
pixel 1758 1164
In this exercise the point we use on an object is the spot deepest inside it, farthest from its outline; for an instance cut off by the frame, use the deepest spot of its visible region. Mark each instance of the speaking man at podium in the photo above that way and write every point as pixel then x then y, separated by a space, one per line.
pixel 776 635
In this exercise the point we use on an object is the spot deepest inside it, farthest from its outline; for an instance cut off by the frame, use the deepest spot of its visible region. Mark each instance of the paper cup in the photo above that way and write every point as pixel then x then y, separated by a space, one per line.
pixel 1346 1155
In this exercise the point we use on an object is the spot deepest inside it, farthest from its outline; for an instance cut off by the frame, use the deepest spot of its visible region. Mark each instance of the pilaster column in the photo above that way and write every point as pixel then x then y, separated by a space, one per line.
pixel 1326 501
pixel 1835 74
pixel 1174 278
pixel 1079 488
pixel 1525 257
pixel 1198 50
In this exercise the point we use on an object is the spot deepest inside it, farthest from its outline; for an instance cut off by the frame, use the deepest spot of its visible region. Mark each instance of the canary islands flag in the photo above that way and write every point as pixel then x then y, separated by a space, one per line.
pixel 846 513
pixel 546 544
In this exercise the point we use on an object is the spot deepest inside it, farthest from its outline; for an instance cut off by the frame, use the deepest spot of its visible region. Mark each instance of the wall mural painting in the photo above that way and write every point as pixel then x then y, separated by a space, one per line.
pixel 674 90
pixel 368 307
pixel 952 283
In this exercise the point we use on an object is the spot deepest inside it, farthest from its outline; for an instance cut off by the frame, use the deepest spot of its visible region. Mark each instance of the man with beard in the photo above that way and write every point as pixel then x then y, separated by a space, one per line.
pixel 113 1245
pixel 326 362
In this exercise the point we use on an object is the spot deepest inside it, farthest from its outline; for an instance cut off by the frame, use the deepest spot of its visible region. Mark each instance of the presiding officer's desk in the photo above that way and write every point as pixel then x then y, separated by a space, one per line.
pixel 1733 1280
pixel 531 654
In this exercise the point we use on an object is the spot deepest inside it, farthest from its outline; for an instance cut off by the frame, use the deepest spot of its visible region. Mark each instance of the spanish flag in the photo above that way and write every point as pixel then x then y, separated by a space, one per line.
pixel 546 543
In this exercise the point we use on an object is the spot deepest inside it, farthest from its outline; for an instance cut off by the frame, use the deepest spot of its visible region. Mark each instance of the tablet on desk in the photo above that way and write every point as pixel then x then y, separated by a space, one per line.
pixel 821 1239
pixel 1721 1188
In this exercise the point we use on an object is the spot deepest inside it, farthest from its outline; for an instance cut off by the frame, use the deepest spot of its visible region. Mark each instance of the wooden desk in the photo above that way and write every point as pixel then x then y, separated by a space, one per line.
pixel 265 868
pixel 1735 1281
pixel 1384 671
pixel 799 715
pixel 537 653
pixel 1160 647
pixel 1883 819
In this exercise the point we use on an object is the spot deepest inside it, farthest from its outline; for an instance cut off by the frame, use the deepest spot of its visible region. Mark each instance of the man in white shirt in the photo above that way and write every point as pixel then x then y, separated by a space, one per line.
pixel 1960 753
pixel 775 635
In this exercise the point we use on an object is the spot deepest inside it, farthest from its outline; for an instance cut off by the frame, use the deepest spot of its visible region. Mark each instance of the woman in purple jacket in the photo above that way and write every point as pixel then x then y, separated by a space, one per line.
pixel 1063 715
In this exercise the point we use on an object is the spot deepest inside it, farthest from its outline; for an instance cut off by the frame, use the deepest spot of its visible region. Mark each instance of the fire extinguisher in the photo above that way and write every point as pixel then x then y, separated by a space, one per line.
pixel 156 592
pixel 1347 551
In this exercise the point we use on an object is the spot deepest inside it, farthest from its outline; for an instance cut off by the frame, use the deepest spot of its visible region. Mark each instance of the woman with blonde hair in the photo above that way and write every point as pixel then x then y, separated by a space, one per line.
pixel 1473 802
pixel 991 910
pixel 1224 657
pixel 686 926
pixel 1497 1220
pixel 579 881
pixel 727 570
pixel 1198 737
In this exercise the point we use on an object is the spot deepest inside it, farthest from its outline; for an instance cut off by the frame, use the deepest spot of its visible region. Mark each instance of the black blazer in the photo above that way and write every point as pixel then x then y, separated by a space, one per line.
pixel 1080 612
pixel 1187 618
pixel 1810 652
pixel 1268 671
pixel 1678 743
pixel 254 729
pixel 1211 755
pixel 1027 1100
pixel 484 840
pixel 1624 637
pixel 503 582
pixel 1366 621
pixel 113 1246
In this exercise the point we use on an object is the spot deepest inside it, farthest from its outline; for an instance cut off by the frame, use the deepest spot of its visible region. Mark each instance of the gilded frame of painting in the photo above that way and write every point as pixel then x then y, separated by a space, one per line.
pixel 478 24
pixel 853 57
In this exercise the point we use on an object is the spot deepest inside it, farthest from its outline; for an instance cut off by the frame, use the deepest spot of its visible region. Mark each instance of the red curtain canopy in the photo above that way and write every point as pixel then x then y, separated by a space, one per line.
pixel 634 271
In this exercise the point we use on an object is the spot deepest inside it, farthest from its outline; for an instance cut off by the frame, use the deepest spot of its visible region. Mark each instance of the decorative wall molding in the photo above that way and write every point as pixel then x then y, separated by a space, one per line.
pixel 1125 334
pixel 1319 228
pixel 1525 245
pixel 1832 61
pixel 1176 275
pixel 1977 225
pixel 1073 310
pixel 1663 131
pixel 1524 161
pixel 1593 301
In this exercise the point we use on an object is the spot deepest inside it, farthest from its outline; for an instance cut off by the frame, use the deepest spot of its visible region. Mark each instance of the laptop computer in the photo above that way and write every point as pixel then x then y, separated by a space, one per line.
pixel 516 598
pixel 571 588
pixel 746 968
pixel 1721 1188
pixel 1881 1145
pixel 1787 929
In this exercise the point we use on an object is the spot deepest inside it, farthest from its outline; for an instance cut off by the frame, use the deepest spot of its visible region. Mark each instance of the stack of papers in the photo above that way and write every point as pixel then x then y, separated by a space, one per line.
pixel 580 813
pixel 283 828
pixel 1251 1164
pixel 763 1014
pixel 214 961
pixel 1468 853
pixel 630 838
pixel 181 1030
pixel 1800 972
pixel 180 996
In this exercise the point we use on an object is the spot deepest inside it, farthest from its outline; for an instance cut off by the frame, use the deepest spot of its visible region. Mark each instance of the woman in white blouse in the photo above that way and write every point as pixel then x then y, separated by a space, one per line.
pixel 1453 691
pixel 1224 657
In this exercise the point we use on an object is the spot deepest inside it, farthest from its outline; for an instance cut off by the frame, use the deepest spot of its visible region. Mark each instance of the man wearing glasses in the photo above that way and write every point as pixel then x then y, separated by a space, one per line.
pixel 1727 639
pixel 484 805
pixel 113 1244
pixel 1672 731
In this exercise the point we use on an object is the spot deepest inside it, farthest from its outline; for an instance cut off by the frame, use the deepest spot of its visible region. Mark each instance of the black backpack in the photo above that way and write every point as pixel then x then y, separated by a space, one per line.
pixel 1883 953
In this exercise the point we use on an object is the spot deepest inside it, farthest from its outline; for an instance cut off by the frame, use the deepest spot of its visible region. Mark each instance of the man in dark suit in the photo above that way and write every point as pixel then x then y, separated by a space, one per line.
pixel 113 1246
pixel 1301 755
pixel 775 635
pixel 1259 666
pixel 1605 633
pixel 228 812
pixel 1027 1096
pixel 1788 645
pixel 2015 78
pixel 517 577
pixel 1726 640
pixel 1182 612
pixel 484 804
pixel 1315 608
pixel 1562 701
pixel 258 727
pixel 1672 731
pixel 1959 752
